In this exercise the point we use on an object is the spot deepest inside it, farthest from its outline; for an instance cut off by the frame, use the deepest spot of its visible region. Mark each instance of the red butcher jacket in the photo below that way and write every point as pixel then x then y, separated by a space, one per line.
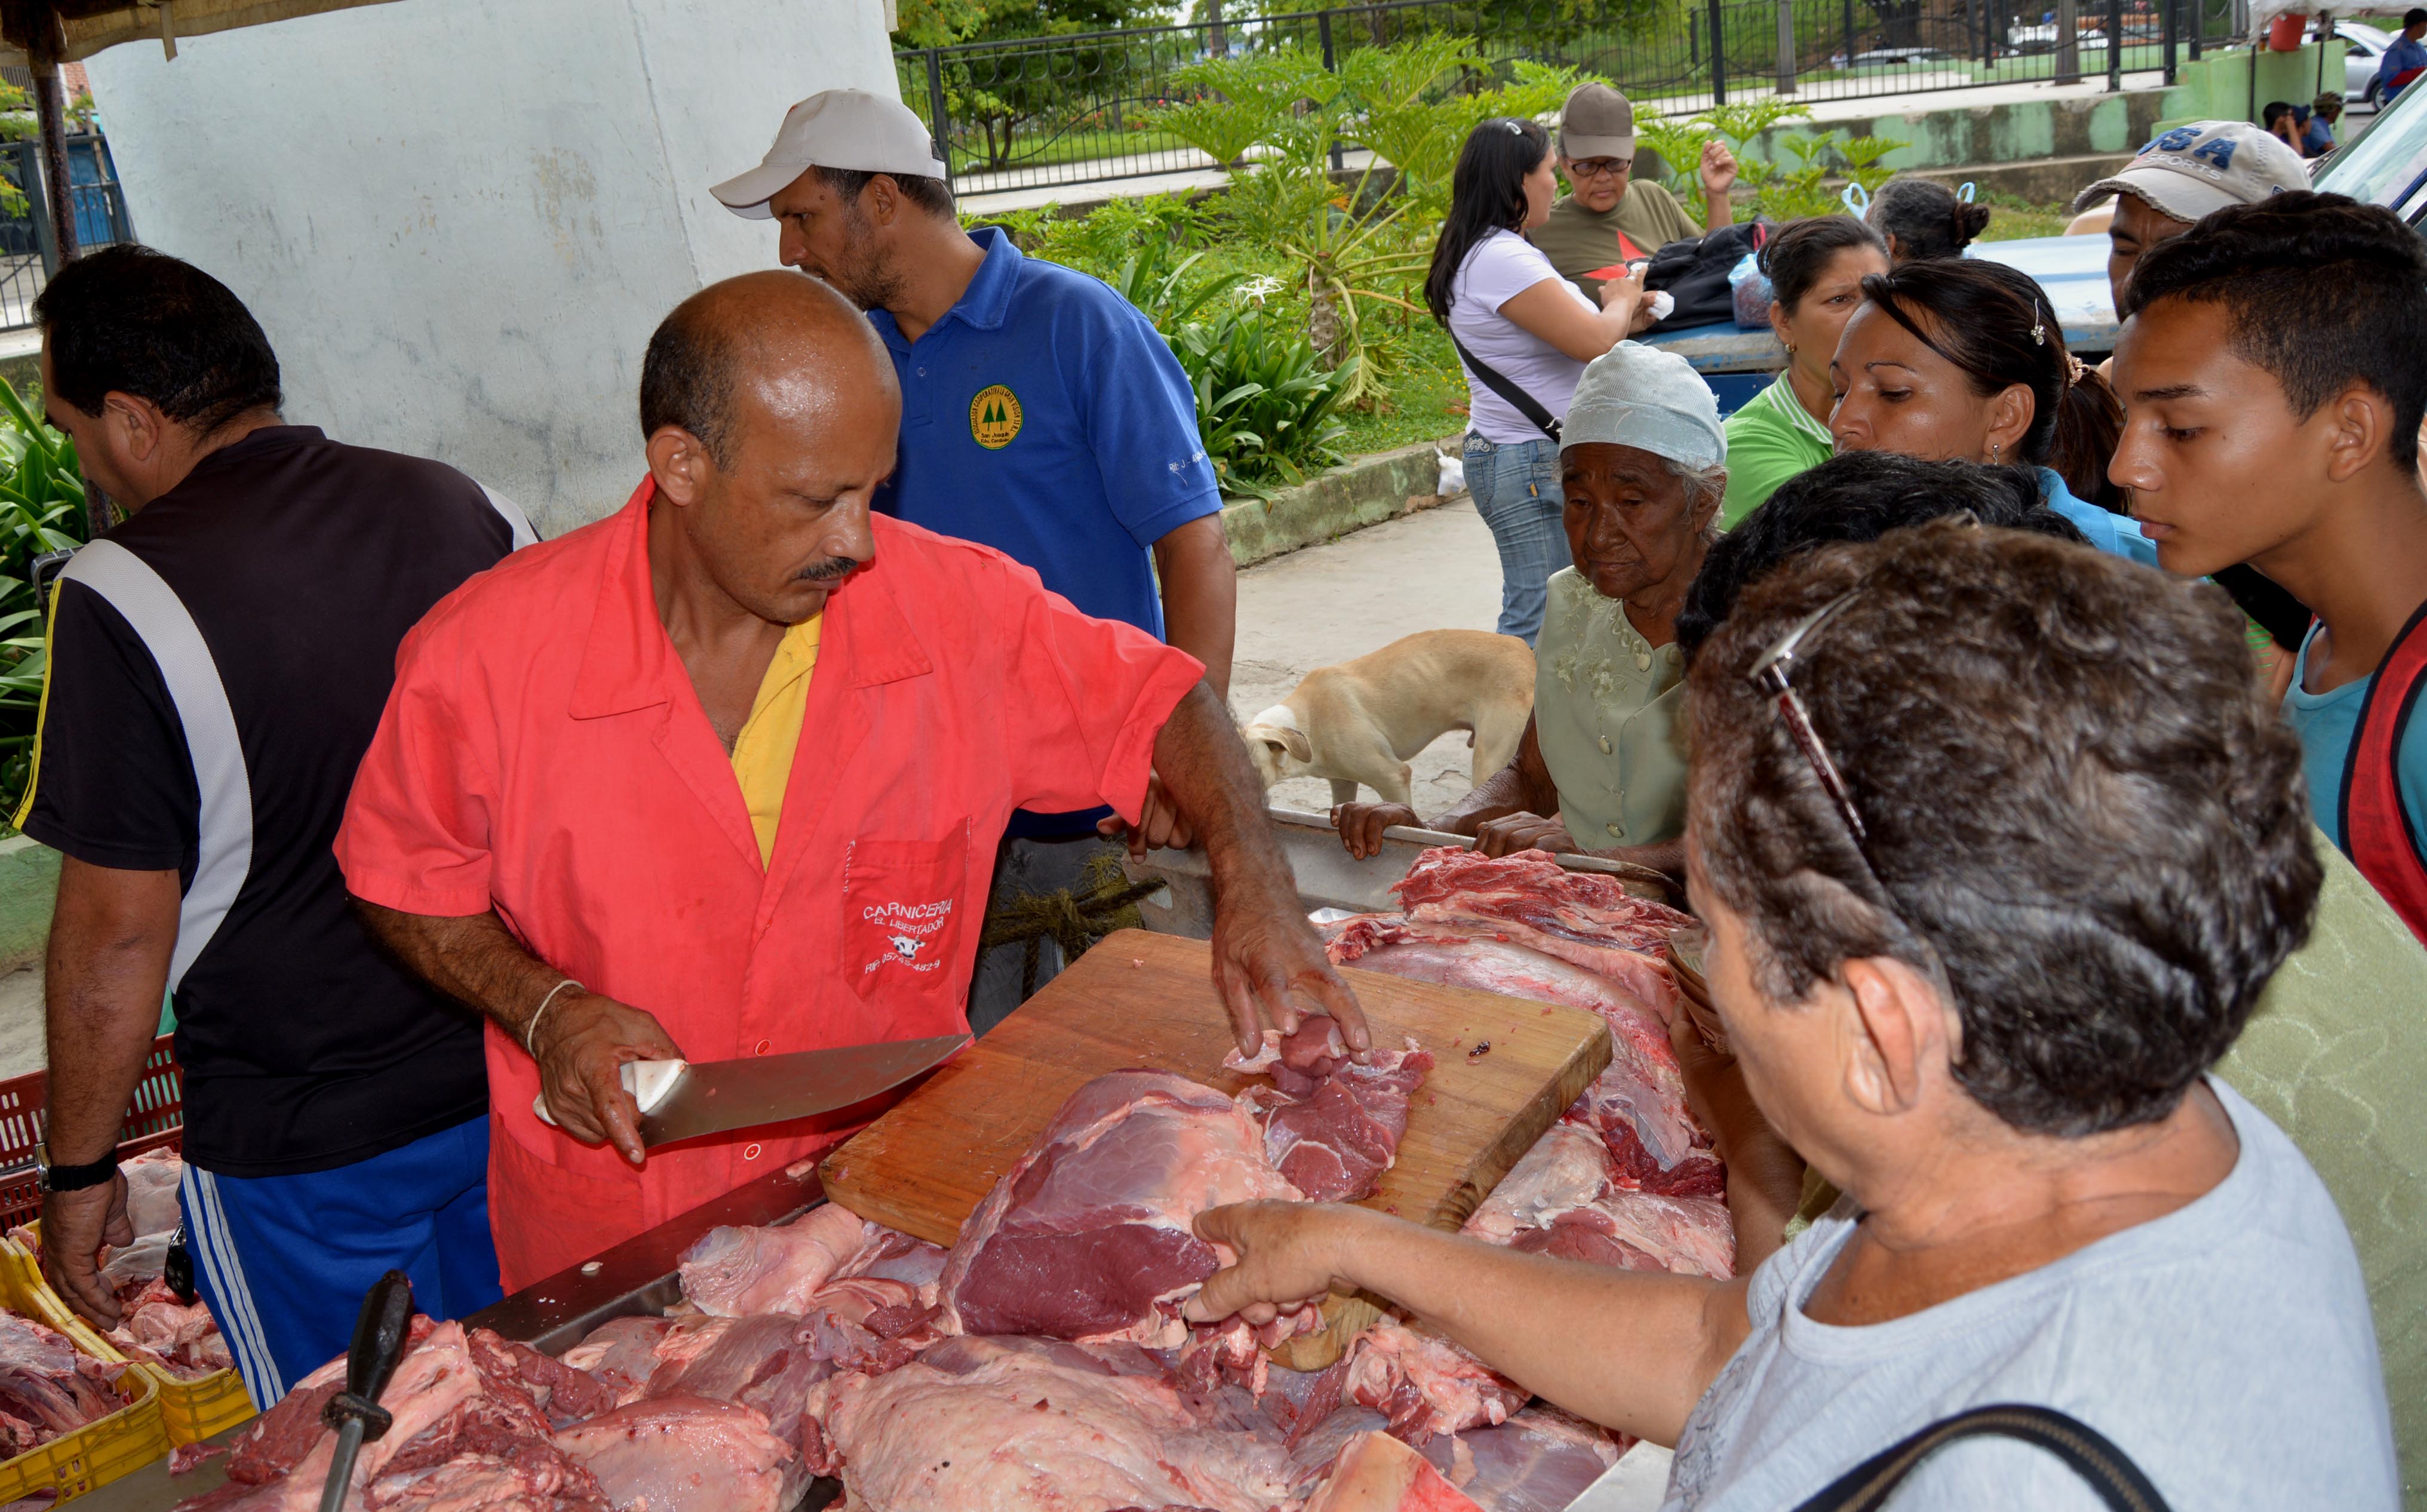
pixel 544 754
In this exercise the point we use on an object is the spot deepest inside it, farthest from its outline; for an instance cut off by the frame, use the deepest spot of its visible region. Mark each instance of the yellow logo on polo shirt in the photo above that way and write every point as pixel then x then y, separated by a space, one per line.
pixel 994 417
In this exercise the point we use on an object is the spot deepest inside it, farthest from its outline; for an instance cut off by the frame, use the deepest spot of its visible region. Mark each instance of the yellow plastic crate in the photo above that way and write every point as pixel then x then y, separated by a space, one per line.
pixel 193 1410
pixel 98 1452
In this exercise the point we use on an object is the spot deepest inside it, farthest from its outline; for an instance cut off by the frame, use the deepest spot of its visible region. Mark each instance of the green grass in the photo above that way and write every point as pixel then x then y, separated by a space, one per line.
pixel 2012 218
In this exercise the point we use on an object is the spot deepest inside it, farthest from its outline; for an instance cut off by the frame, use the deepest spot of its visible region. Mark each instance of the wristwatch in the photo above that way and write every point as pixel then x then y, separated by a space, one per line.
pixel 52 1179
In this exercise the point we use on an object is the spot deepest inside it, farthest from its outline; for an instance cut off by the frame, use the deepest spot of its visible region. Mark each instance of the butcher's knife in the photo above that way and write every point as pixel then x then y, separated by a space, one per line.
pixel 379 1333
pixel 684 1099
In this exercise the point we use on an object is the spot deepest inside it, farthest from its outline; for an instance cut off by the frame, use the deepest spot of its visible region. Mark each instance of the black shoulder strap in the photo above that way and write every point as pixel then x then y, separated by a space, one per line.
pixel 2110 1471
pixel 1524 403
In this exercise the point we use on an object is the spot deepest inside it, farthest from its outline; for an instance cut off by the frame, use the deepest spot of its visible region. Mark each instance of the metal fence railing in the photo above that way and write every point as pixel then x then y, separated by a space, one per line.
pixel 1080 109
pixel 28 251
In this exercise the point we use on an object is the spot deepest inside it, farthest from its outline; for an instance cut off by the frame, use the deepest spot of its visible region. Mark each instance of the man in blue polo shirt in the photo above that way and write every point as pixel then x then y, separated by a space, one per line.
pixel 1041 414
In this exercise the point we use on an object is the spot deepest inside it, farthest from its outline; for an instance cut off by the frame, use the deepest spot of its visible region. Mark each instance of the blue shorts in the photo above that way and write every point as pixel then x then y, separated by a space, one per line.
pixel 284 1261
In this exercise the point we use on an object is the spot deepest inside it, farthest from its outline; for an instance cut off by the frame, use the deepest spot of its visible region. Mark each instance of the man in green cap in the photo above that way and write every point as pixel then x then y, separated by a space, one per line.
pixel 1605 218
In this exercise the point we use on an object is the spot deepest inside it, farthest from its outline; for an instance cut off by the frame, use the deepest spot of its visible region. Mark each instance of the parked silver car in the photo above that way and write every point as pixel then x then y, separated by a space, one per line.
pixel 2363 45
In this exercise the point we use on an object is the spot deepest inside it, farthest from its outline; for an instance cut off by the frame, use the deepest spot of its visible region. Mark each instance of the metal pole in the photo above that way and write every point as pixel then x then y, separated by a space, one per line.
pixel 56 181
pixel 1786 46
pixel 1849 31
pixel 941 118
pixel 2166 39
pixel 1719 57
pixel 2068 41
pixel 2199 24
pixel 2114 46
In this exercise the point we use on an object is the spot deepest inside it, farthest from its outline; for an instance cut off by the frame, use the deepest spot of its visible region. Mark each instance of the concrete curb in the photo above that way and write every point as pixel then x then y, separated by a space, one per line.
pixel 1361 492
pixel 30 883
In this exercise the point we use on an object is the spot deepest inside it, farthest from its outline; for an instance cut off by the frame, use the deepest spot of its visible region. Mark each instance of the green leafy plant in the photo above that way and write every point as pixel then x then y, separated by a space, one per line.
pixel 43 507
pixel 1359 246
pixel 1265 405
pixel 1781 190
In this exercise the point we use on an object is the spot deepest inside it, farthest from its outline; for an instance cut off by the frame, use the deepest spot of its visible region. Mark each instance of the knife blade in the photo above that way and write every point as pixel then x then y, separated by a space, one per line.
pixel 684 1099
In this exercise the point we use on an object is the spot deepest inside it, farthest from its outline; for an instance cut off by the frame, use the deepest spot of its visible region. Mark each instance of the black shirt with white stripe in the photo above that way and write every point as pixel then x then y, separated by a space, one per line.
pixel 218 665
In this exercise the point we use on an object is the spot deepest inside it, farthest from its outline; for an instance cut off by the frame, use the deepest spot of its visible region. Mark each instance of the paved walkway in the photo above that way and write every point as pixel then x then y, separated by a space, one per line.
pixel 1326 604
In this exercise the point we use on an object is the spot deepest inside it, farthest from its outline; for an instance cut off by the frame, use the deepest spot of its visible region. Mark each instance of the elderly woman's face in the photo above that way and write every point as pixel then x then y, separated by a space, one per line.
pixel 1895 394
pixel 1630 523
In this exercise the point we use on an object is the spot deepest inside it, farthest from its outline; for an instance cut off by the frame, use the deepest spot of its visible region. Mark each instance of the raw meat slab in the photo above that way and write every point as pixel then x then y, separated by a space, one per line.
pixel 1141 999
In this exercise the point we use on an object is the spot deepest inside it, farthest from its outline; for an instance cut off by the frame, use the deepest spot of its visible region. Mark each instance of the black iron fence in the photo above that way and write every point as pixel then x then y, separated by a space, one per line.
pixel 1080 109
pixel 28 251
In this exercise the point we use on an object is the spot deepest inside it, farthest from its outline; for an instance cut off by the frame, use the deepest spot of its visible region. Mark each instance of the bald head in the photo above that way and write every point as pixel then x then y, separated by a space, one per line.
pixel 787 340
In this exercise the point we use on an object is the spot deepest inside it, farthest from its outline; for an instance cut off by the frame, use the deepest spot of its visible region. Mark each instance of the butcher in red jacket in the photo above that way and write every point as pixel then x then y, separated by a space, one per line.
pixel 722 775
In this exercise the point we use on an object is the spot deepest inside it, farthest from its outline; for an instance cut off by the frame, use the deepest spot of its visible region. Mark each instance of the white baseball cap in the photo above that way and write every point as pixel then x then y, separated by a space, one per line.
pixel 2202 167
pixel 850 129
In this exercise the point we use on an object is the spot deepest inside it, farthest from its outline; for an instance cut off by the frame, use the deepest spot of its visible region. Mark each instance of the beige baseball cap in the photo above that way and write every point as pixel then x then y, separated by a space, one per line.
pixel 1596 122
pixel 2202 167
pixel 838 128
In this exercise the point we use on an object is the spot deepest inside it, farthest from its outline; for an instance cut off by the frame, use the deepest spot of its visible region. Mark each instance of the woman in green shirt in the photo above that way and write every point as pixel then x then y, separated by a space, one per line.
pixel 1602 766
pixel 1816 269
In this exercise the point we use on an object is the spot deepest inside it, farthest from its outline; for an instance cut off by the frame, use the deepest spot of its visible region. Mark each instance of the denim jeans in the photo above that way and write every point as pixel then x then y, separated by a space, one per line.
pixel 1516 489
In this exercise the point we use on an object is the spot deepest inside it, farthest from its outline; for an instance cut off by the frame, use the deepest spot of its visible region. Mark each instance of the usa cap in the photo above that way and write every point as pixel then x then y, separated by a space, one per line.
pixel 2202 167
pixel 849 129
pixel 1596 121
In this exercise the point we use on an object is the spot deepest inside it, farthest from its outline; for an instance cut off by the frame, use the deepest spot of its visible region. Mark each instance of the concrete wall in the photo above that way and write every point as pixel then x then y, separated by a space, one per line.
pixel 2218 86
pixel 459 219
pixel 1958 135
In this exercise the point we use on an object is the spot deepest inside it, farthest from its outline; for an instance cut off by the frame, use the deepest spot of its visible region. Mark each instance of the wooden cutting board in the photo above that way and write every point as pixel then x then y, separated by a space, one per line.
pixel 1145 999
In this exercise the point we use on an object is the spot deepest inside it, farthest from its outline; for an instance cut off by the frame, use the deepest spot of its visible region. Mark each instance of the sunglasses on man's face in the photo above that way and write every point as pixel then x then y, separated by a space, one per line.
pixel 1600 167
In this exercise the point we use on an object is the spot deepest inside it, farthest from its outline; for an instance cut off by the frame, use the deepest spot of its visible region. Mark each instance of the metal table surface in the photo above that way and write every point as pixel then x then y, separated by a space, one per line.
pixel 636 1277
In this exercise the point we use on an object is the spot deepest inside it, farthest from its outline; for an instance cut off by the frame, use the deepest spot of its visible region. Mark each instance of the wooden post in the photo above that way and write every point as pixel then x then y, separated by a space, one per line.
pixel 1786 47
pixel 2068 42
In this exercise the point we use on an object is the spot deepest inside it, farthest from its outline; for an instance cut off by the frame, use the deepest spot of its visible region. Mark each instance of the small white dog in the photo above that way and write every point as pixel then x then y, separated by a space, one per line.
pixel 1361 721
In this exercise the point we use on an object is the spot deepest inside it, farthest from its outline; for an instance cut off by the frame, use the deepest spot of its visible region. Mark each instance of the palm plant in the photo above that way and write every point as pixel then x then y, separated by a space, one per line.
pixel 1281 116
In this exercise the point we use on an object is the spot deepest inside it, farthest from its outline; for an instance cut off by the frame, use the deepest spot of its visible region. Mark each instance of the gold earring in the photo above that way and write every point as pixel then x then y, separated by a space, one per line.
pixel 1790 349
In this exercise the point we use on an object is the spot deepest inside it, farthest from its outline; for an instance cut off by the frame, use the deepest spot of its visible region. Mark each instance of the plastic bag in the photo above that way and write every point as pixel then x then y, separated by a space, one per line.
pixel 1749 288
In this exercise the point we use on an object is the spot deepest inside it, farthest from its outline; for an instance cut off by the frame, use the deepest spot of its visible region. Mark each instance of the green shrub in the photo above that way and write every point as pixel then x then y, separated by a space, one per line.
pixel 1263 403
pixel 42 509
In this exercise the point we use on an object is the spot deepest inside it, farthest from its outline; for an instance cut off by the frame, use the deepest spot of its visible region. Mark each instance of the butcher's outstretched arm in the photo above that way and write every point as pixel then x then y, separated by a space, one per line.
pixel 1630 1350
pixel 1268 964
pixel 580 1037
pixel 1522 786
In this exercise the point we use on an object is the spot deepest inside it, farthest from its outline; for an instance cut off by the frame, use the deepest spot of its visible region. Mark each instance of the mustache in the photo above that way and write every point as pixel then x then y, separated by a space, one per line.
pixel 833 569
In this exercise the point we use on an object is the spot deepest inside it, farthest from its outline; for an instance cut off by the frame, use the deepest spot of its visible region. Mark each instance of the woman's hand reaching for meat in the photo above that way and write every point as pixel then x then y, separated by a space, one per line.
pixel 1288 1256
pixel 1360 825
pixel 1512 833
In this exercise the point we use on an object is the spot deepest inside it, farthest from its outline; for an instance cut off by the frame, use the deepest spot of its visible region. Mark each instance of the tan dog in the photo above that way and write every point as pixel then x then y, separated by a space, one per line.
pixel 1361 721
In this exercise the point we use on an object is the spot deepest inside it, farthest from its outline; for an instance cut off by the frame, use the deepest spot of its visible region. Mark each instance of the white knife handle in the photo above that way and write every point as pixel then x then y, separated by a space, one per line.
pixel 648 1081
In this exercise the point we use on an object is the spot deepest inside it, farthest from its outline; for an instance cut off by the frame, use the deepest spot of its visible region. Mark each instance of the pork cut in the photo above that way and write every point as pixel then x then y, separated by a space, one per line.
pixel 46 1387
pixel 734 1273
pixel 1331 1126
pixel 1089 1236
pixel 473 1418
pixel 1528 898
pixel 687 1453
pixel 1025 1425
pixel 1540 1460
pixel 1423 1384
pixel 1378 1473
pixel 1472 956
pixel 1567 1196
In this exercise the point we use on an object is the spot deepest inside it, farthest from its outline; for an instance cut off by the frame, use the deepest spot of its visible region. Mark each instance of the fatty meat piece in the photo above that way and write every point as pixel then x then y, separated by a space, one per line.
pixel 687 1454
pixel 1331 1126
pixel 1580 916
pixel 1378 1473
pixel 1423 1384
pixel 1540 1460
pixel 473 1418
pixel 1473 955
pixel 151 1181
pixel 47 1387
pixel 735 1271
pixel 1090 1236
pixel 1025 1425
pixel 1567 1198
